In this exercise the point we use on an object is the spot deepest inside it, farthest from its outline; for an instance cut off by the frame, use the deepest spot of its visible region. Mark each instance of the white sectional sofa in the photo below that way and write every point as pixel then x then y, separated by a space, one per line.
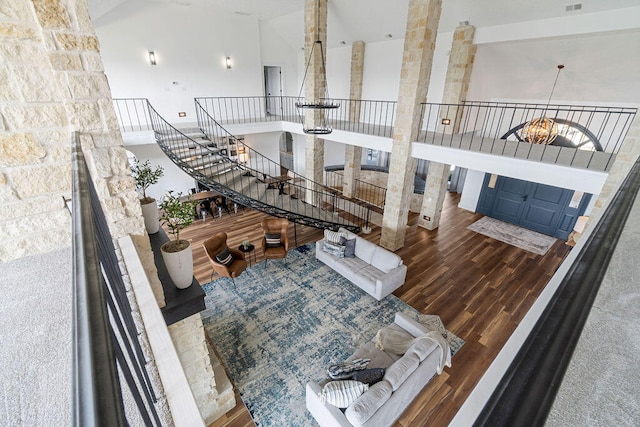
pixel 405 376
pixel 374 269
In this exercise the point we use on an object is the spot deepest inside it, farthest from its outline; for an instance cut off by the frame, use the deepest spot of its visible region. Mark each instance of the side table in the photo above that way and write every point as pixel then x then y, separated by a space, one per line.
pixel 248 250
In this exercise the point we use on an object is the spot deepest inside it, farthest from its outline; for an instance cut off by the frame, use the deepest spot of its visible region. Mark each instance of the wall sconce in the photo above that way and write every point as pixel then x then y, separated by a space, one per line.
pixel 227 62
pixel 152 57
pixel 446 121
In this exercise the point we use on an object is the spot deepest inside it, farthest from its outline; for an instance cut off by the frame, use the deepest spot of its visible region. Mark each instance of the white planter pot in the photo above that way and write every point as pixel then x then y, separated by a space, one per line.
pixel 151 217
pixel 180 266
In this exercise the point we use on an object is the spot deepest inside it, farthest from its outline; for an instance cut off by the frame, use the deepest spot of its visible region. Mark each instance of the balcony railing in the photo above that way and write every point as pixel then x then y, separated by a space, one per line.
pixel 354 115
pixel 363 191
pixel 105 338
pixel 587 136
pixel 132 114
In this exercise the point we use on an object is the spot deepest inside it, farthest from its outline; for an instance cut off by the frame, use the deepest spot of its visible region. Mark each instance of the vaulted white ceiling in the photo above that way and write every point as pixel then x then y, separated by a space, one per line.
pixel 374 20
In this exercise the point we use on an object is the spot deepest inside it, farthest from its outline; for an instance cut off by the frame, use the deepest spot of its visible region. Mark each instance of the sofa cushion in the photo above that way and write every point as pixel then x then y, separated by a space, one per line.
pixel 398 372
pixel 365 249
pixel 369 273
pixel 333 249
pixel 342 393
pixel 346 266
pixel 385 260
pixel 369 376
pixel 422 347
pixel 365 278
pixel 368 403
pixel 349 246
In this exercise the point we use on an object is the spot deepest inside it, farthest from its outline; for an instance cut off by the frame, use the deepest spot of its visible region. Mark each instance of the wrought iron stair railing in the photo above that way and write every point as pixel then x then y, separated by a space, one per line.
pixel 228 166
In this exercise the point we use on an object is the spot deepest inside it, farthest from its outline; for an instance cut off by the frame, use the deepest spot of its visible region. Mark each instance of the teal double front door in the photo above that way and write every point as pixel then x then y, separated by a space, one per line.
pixel 539 207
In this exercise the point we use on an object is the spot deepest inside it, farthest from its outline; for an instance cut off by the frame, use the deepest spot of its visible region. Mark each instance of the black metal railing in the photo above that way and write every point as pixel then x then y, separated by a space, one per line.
pixel 132 114
pixel 363 191
pixel 586 136
pixel 104 333
pixel 354 115
pixel 230 167
pixel 528 389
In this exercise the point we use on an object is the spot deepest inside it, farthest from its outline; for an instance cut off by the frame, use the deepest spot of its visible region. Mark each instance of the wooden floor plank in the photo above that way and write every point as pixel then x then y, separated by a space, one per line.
pixel 481 288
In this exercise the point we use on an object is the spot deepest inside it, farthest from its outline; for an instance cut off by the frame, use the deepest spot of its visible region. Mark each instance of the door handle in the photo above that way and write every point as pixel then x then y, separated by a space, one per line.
pixel 525 197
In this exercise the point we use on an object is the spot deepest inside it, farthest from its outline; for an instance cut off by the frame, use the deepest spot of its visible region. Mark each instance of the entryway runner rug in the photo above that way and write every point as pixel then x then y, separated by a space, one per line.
pixel 281 326
pixel 514 235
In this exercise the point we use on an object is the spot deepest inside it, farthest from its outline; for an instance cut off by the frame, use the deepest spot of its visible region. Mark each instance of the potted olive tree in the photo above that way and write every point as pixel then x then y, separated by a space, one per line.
pixel 145 176
pixel 177 253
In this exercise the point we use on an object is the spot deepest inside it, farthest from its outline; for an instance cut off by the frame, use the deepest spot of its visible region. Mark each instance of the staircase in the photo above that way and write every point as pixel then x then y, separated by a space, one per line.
pixel 228 166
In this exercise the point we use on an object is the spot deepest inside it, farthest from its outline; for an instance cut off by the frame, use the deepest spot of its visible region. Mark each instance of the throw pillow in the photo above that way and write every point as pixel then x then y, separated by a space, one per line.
pixel 332 236
pixel 272 240
pixel 342 393
pixel 346 369
pixel 349 247
pixel 333 249
pixel 369 376
pixel 225 257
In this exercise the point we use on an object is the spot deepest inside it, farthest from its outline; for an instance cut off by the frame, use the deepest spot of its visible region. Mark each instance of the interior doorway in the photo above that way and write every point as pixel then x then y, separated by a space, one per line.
pixel 273 89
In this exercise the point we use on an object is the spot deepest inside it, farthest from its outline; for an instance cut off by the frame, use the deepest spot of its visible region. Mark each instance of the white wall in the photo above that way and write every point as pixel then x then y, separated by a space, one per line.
pixel 472 188
pixel 275 51
pixel 190 44
pixel 339 72
pixel 174 178
pixel 267 144
pixel 599 69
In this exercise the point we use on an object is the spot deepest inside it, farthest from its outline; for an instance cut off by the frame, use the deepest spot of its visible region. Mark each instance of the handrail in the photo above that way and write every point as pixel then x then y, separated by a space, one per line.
pixel 261 165
pixel 527 390
pixel 96 387
pixel 495 128
pixel 132 114
pixel 363 191
pixel 373 117
pixel 105 336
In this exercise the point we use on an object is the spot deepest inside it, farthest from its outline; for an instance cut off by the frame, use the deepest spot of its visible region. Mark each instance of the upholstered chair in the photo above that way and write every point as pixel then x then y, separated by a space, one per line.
pixel 273 249
pixel 214 247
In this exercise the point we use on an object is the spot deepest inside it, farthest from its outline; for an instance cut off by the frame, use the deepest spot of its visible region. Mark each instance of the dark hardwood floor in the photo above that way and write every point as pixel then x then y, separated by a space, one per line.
pixel 481 288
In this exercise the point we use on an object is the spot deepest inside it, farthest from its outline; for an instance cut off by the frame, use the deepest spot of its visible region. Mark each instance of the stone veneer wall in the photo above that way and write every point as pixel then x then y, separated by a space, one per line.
pixel 52 83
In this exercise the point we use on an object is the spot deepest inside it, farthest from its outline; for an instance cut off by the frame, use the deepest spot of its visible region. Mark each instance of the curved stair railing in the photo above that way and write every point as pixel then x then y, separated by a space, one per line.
pixel 229 167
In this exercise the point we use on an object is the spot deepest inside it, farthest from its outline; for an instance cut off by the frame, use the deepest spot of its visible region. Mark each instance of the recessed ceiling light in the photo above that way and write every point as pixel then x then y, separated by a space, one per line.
pixel 388 36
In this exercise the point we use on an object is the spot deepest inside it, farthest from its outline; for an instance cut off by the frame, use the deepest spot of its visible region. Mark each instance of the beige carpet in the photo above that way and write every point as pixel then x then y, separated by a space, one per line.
pixel 514 235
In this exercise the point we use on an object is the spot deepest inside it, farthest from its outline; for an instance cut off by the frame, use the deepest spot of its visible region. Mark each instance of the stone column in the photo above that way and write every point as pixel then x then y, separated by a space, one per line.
pixel 435 190
pixel 456 86
pixel 315 24
pixel 193 352
pixel 419 44
pixel 625 159
pixel 352 153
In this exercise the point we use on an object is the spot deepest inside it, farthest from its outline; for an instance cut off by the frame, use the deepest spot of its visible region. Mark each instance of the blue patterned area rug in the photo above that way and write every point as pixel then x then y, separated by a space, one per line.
pixel 280 327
